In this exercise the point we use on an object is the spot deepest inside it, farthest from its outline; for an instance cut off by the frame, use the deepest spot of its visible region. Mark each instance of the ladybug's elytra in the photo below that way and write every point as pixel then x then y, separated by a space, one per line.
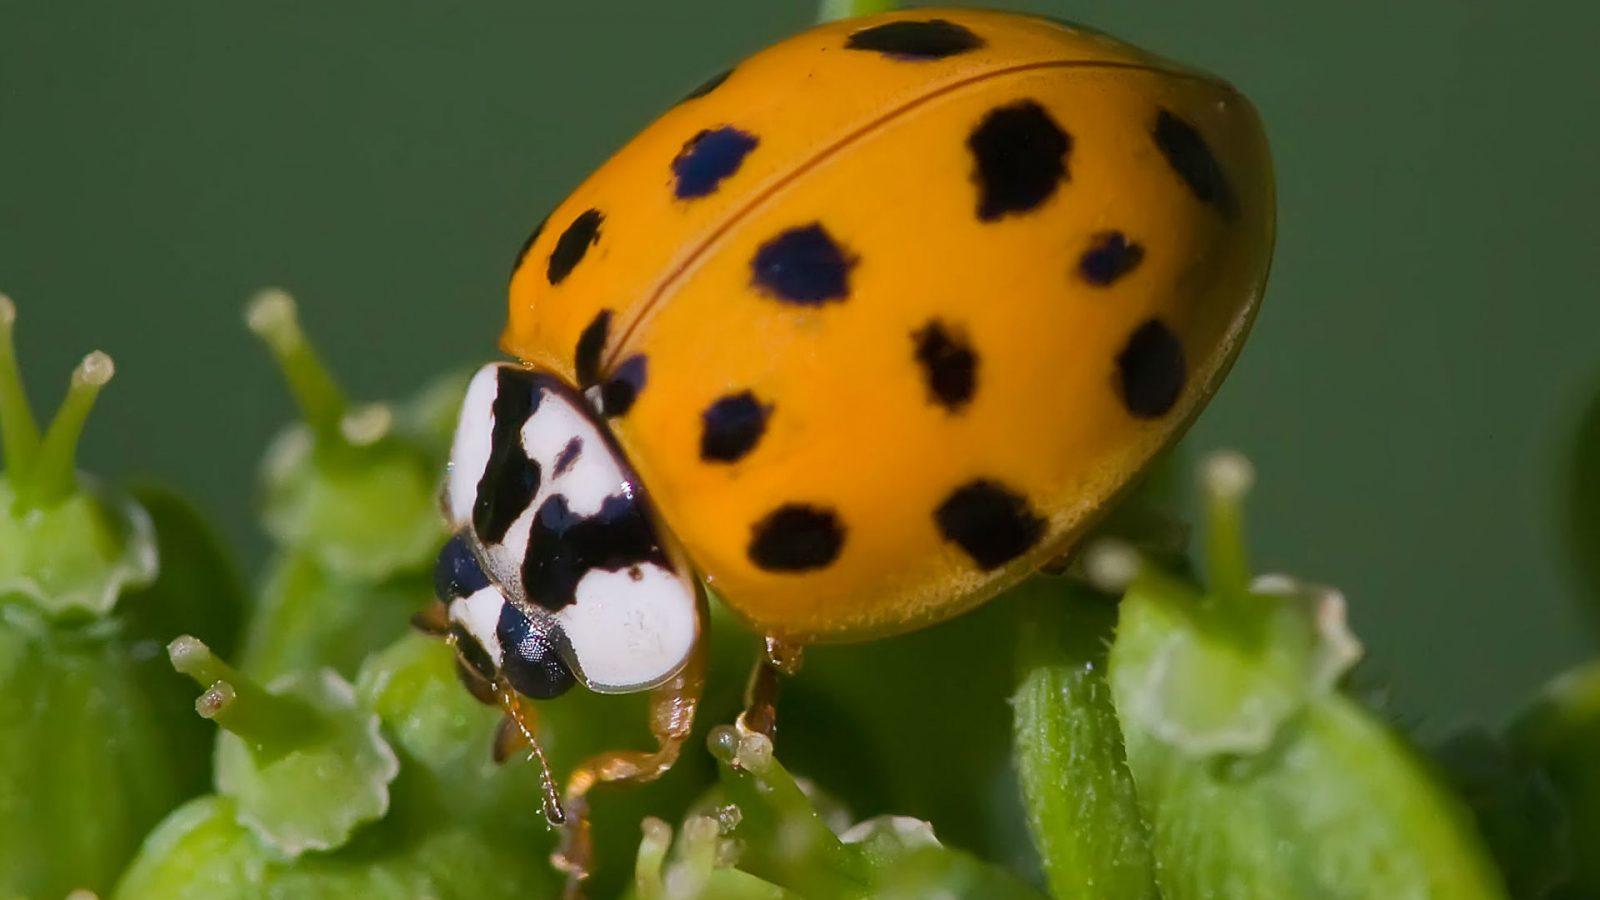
pixel 859 333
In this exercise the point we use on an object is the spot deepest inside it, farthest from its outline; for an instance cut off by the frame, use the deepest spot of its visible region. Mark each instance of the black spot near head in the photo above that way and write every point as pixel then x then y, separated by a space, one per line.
pixel 803 265
pixel 796 537
pixel 564 546
pixel 470 652
pixel 531 655
pixel 527 245
pixel 708 158
pixel 622 388
pixel 591 343
pixel 510 478
pixel 573 244
pixel 1186 151
pixel 931 39
pixel 991 523
pixel 568 455
pixel 949 366
pixel 731 427
pixel 457 572
pixel 1150 372
pixel 1020 155
pixel 706 87
pixel 1109 257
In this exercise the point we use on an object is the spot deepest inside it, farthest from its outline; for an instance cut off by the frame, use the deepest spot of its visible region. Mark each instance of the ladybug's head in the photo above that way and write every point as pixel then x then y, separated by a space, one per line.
pixel 558 564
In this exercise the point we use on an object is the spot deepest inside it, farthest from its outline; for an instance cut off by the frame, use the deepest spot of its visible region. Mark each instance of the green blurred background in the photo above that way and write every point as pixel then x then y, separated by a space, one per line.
pixel 1431 327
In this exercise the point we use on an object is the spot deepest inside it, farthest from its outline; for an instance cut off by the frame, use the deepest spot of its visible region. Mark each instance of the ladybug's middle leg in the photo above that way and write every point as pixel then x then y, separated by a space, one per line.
pixel 779 659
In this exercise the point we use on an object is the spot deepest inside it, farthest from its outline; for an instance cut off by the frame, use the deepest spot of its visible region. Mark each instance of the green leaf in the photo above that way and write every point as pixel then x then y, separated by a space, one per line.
pixel 1082 808
pixel 1259 779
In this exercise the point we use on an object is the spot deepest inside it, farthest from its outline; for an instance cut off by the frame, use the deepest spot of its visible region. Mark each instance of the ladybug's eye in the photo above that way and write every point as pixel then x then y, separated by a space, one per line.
pixel 532 654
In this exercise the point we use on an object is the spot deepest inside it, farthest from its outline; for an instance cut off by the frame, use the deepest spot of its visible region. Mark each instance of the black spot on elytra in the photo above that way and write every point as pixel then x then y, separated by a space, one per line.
pixel 991 523
pixel 510 478
pixel 949 366
pixel 531 655
pixel 457 572
pixel 931 39
pixel 568 455
pixel 1020 155
pixel 527 245
pixel 1150 372
pixel 803 265
pixel 622 388
pixel 469 651
pixel 796 537
pixel 564 546
pixel 706 87
pixel 573 244
pixel 1109 257
pixel 731 427
pixel 1188 154
pixel 591 343
pixel 708 158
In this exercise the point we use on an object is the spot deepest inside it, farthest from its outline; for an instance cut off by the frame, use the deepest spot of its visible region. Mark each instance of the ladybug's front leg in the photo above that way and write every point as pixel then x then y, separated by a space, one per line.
pixel 779 659
pixel 672 710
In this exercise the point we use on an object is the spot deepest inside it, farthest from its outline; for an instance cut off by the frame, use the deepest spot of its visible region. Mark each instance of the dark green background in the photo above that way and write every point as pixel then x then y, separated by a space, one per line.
pixel 1431 325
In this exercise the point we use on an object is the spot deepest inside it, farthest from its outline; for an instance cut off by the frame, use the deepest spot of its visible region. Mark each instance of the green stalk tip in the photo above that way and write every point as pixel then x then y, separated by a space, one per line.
pixel 1111 565
pixel 238 704
pixel 54 472
pixel 1227 477
pixel 19 431
pixel 271 314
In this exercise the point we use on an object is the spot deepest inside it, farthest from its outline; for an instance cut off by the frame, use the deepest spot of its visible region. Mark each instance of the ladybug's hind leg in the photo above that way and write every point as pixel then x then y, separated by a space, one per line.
pixel 779 659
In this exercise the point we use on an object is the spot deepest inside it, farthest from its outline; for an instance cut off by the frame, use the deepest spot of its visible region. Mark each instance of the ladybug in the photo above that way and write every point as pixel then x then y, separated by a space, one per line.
pixel 859 333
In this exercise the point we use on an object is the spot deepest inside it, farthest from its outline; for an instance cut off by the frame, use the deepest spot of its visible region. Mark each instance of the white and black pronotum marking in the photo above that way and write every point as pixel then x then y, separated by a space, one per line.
pixel 542 499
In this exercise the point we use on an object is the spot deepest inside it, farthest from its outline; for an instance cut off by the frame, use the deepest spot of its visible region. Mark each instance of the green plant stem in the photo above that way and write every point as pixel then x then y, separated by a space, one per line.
pixel 19 431
pixel 54 472
pixel 272 316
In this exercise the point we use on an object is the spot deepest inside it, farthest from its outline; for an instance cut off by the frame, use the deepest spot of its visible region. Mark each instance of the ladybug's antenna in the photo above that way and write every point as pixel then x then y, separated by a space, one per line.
pixel 517 713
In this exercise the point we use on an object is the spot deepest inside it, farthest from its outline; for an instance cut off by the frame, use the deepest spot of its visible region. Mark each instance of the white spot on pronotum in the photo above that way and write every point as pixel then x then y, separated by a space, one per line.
pixel 627 635
pixel 469 454
pixel 479 615
pixel 1228 475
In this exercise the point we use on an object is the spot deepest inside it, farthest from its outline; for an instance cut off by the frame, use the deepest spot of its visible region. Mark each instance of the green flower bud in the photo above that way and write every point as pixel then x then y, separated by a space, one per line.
pixel 1258 778
pixel 765 837
pixel 97 741
pixel 352 500
pixel 68 546
pixel 453 823
pixel 347 485
pixel 303 763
